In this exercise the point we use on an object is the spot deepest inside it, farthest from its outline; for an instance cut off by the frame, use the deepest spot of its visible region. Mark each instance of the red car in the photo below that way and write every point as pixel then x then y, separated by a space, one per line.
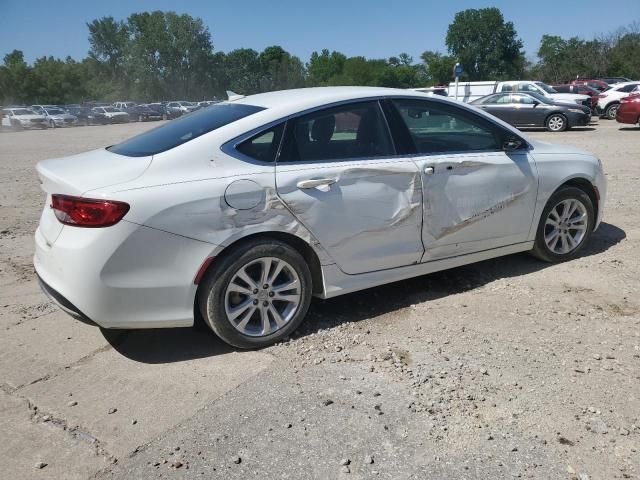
pixel 581 90
pixel 597 84
pixel 629 111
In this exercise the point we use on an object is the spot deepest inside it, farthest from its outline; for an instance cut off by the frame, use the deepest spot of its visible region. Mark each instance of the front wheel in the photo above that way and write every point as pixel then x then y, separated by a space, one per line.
pixel 257 295
pixel 565 225
pixel 556 123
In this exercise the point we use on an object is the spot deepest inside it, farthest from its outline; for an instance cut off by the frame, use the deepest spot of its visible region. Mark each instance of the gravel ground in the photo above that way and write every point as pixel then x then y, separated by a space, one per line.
pixel 509 368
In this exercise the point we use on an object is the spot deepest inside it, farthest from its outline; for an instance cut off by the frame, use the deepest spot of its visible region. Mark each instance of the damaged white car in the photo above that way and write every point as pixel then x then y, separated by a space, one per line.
pixel 243 210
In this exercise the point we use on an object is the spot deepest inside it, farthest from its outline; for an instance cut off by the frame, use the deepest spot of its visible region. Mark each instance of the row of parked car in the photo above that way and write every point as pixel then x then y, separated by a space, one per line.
pixel 526 104
pixel 53 116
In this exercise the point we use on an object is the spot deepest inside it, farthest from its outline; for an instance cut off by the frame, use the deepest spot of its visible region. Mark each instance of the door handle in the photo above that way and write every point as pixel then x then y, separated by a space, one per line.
pixel 429 171
pixel 315 182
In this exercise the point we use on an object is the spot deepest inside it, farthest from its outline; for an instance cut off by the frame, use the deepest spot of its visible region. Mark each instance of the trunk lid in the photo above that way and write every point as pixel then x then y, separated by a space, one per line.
pixel 78 174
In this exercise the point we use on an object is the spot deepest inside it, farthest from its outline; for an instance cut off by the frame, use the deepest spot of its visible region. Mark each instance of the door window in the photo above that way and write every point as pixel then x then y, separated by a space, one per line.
pixel 523 99
pixel 355 130
pixel 437 128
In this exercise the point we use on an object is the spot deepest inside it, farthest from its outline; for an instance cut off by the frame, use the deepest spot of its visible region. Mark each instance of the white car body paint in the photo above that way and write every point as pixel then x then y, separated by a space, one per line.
pixel 384 219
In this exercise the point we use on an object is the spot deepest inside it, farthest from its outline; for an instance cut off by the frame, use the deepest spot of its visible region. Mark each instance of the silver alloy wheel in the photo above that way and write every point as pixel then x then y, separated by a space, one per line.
pixel 556 123
pixel 566 226
pixel 612 111
pixel 263 296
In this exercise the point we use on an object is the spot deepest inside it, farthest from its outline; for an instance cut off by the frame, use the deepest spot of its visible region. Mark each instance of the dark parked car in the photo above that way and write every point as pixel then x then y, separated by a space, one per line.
pixel 629 110
pixel 582 90
pixel 86 116
pixel 533 110
pixel 162 109
pixel 143 113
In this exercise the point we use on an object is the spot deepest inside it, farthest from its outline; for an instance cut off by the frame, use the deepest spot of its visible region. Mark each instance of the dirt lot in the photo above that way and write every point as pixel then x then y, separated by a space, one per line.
pixel 508 368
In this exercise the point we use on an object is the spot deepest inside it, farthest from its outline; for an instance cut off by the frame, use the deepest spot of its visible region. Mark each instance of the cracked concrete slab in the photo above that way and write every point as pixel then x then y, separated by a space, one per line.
pixel 25 439
pixel 181 372
pixel 43 346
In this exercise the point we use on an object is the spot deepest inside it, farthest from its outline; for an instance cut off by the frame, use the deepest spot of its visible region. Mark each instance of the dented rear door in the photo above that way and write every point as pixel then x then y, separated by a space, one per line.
pixel 367 213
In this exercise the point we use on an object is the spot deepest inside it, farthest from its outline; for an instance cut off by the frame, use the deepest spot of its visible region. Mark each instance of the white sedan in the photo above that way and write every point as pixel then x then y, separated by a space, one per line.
pixel 20 118
pixel 241 211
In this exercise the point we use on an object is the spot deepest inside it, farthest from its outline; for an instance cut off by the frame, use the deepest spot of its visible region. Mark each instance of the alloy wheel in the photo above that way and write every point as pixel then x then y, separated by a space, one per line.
pixel 263 296
pixel 556 123
pixel 612 111
pixel 566 226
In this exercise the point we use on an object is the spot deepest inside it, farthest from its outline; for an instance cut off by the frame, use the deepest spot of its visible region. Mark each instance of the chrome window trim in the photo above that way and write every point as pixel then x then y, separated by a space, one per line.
pixel 229 147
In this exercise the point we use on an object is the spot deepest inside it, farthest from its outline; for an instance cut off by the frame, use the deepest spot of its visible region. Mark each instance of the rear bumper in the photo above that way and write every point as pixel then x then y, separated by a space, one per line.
pixel 124 276
pixel 627 117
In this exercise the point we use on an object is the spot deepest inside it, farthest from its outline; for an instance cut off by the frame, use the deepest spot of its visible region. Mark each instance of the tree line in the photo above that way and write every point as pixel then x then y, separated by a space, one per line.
pixel 164 55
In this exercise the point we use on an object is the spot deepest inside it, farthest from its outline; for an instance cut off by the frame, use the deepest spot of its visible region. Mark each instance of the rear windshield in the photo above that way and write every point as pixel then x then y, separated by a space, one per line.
pixel 183 129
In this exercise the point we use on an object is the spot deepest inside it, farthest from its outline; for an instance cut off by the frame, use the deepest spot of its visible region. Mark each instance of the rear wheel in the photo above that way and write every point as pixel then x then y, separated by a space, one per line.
pixel 611 111
pixel 556 123
pixel 257 295
pixel 565 225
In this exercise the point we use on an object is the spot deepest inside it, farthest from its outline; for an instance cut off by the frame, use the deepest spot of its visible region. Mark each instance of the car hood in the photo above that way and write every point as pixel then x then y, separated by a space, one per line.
pixel 555 148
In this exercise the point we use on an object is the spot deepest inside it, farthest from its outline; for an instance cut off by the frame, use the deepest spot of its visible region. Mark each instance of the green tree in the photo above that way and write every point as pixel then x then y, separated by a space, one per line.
pixel 14 75
pixel 280 70
pixel 486 45
pixel 323 66
pixel 438 68
pixel 243 71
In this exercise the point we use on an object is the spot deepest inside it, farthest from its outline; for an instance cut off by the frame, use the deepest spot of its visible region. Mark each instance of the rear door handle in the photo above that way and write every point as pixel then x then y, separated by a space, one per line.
pixel 315 182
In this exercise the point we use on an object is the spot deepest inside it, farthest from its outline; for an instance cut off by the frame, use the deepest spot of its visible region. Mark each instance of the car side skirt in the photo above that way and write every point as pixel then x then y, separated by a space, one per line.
pixel 338 283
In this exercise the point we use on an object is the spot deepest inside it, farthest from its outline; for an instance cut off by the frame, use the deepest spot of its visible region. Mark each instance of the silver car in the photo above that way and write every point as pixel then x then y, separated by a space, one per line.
pixel 56 116
pixel 242 211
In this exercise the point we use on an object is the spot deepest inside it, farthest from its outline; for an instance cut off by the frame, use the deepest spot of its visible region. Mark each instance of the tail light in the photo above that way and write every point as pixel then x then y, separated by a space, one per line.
pixel 87 212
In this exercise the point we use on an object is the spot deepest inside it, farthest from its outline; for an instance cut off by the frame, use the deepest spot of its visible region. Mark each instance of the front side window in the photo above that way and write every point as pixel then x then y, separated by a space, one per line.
pixel 437 128
pixel 523 99
pixel 183 129
pixel 264 145
pixel 356 130
pixel 529 87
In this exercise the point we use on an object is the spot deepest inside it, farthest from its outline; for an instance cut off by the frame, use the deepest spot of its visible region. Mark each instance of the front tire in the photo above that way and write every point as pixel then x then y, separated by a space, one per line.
pixel 565 225
pixel 556 123
pixel 256 295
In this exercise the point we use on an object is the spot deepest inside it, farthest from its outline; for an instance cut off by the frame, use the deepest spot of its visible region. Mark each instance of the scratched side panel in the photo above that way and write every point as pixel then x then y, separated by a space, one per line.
pixel 369 219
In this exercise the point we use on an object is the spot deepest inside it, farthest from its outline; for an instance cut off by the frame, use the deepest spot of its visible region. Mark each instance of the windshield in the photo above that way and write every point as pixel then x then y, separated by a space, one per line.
pixel 110 109
pixel 55 111
pixel 546 87
pixel 183 129
pixel 186 104
pixel 23 111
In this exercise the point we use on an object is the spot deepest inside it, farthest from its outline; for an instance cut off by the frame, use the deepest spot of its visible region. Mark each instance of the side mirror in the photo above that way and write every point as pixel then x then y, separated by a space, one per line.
pixel 511 143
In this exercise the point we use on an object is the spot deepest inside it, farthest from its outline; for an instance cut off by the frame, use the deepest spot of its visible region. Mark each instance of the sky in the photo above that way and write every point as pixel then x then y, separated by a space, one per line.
pixel 371 28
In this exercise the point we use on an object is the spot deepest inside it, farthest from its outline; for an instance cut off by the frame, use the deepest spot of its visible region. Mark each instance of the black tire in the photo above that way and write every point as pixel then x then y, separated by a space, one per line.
pixel 211 293
pixel 556 122
pixel 611 111
pixel 540 248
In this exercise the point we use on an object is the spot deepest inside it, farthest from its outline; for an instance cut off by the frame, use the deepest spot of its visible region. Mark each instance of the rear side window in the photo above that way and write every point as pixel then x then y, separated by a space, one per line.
pixel 264 145
pixel 355 130
pixel 435 128
pixel 183 129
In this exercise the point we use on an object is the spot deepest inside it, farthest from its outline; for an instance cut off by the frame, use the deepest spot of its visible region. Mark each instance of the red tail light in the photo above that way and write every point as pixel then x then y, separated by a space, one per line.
pixel 87 212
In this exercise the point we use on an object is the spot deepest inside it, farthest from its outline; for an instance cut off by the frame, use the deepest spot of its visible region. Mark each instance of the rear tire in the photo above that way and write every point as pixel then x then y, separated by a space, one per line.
pixel 611 111
pixel 565 225
pixel 556 123
pixel 248 308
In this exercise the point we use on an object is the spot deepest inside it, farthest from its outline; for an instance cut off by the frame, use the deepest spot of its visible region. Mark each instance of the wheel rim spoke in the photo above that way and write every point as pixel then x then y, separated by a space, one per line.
pixel 255 304
pixel 566 226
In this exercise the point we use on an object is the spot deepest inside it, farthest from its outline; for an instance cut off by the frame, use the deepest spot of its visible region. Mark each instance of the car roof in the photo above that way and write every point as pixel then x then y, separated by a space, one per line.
pixel 302 98
pixel 624 84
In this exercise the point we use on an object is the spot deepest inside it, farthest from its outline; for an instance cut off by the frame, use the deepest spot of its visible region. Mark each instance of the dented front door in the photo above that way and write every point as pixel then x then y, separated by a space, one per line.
pixel 476 201
pixel 367 214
